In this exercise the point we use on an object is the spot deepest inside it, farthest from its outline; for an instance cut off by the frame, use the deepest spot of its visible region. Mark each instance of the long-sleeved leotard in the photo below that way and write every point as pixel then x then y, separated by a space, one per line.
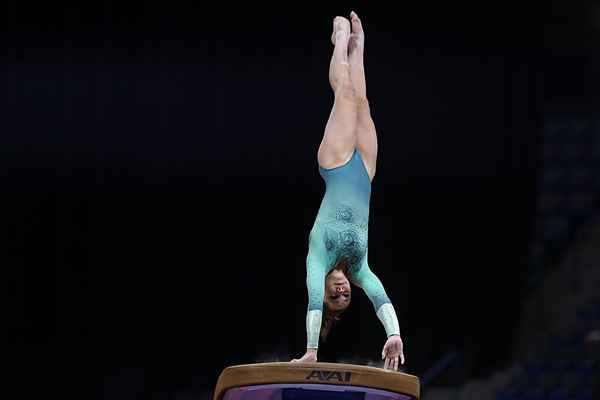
pixel 341 231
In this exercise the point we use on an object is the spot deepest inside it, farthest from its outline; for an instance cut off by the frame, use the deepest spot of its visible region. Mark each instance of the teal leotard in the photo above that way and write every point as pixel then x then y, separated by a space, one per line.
pixel 340 231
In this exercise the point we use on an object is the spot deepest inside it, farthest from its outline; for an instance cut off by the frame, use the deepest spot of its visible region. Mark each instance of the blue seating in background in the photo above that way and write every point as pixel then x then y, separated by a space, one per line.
pixel 569 194
pixel 559 394
pixel 508 394
pixel 590 312
pixel 566 370
pixel 584 394
pixel 568 185
pixel 533 394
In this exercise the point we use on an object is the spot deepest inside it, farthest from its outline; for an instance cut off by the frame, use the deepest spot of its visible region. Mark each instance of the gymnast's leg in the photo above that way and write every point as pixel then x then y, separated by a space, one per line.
pixel 339 139
pixel 365 128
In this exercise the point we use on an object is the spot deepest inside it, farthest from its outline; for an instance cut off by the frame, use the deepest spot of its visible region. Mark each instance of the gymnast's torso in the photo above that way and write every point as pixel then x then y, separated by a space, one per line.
pixel 339 236
pixel 342 222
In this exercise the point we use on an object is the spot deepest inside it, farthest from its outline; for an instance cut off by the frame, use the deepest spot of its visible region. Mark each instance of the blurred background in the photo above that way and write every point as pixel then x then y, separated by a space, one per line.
pixel 159 181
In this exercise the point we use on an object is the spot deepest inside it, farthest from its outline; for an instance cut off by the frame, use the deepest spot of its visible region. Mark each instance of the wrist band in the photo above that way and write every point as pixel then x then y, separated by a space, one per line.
pixel 387 316
pixel 313 327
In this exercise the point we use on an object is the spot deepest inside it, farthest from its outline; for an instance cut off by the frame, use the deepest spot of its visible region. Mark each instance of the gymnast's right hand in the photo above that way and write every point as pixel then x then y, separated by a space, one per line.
pixel 310 356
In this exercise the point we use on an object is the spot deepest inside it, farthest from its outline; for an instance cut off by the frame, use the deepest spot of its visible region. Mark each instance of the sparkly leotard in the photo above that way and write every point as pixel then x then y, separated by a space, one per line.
pixel 340 232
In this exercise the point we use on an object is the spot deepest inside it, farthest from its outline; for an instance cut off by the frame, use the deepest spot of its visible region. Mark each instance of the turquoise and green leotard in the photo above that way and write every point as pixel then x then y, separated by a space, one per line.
pixel 340 231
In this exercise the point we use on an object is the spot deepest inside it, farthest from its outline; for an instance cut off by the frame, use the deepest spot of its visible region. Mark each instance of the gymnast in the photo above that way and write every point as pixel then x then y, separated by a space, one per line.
pixel 337 243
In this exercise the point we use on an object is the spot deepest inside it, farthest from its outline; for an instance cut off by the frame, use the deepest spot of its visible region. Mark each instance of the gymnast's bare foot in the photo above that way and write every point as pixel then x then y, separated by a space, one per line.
pixel 356 42
pixel 341 27
pixel 339 67
pixel 356 47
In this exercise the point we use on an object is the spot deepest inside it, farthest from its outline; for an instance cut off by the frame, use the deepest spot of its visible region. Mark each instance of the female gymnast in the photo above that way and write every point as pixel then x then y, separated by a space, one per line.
pixel 337 244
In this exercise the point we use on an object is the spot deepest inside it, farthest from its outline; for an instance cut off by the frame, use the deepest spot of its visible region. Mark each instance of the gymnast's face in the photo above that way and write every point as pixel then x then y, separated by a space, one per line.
pixel 337 291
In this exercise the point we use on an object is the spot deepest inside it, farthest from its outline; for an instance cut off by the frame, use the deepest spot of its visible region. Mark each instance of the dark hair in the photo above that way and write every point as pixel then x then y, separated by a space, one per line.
pixel 330 319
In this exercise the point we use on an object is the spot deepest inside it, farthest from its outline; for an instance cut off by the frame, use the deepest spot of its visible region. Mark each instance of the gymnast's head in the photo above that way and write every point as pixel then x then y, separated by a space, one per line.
pixel 337 298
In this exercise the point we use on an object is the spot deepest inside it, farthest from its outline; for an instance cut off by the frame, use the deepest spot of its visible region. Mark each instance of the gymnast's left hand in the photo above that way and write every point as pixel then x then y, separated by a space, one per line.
pixel 392 350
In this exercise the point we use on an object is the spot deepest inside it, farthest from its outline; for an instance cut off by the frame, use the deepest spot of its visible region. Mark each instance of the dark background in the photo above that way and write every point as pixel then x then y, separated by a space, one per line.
pixel 159 180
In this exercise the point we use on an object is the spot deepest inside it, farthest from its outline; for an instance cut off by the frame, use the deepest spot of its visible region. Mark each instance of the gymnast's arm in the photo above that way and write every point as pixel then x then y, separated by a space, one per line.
pixel 368 281
pixel 315 284
pixel 393 348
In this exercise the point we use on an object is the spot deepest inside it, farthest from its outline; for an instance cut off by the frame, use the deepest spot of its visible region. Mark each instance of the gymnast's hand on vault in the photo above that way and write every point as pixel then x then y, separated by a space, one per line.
pixel 310 356
pixel 393 349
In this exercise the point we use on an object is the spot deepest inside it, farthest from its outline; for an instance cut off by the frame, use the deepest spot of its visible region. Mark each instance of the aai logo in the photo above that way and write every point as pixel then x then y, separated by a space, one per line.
pixel 322 375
